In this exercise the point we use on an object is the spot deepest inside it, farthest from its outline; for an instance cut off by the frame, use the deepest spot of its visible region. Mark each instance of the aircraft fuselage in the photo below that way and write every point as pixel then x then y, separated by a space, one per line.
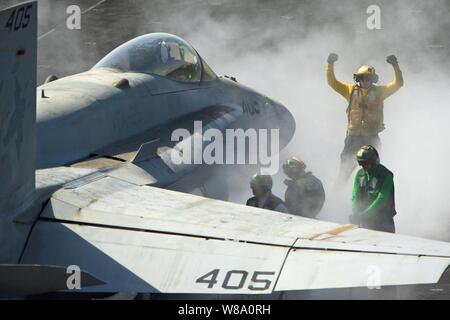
pixel 80 114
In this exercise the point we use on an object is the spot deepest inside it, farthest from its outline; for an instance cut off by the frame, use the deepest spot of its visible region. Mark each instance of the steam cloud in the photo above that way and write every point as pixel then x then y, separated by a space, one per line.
pixel 281 49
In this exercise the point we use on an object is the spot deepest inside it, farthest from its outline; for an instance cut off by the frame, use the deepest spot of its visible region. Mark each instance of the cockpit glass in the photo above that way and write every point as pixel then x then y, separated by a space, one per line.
pixel 157 53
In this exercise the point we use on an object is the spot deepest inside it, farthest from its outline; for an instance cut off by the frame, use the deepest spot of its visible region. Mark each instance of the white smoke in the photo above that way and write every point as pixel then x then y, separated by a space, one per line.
pixel 282 52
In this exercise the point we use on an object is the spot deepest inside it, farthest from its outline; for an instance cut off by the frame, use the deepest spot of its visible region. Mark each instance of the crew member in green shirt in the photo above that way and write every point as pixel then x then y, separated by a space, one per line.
pixel 373 204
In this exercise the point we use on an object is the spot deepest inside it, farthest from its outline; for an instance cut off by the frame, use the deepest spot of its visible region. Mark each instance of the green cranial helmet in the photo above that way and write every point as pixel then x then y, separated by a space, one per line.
pixel 368 154
pixel 261 181
pixel 293 167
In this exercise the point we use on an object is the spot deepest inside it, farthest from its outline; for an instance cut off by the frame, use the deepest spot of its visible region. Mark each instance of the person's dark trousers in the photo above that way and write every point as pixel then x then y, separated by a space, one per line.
pixel 348 156
pixel 385 224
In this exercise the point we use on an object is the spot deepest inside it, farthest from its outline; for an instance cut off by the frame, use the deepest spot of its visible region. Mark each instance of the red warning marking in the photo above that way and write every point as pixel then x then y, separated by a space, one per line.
pixel 21 52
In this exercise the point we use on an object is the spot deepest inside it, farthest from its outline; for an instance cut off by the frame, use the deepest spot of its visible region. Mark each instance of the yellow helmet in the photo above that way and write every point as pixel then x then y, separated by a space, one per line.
pixel 366 71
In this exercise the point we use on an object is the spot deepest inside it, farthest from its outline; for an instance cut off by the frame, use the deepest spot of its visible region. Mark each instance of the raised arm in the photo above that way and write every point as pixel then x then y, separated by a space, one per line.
pixel 342 88
pixel 396 83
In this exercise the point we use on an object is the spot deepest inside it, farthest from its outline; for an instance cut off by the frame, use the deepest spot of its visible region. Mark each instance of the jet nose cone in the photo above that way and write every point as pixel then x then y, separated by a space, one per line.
pixel 285 122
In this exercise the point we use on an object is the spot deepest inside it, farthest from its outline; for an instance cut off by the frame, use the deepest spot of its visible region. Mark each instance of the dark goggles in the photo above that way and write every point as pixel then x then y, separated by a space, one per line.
pixel 364 77
pixel 366 162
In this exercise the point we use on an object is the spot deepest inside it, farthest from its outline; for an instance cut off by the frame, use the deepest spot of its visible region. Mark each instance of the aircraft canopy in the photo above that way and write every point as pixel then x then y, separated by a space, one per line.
pixel 160 54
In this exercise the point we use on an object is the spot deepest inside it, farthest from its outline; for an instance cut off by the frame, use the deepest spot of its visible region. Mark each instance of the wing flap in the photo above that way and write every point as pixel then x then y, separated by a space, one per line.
pixel 322 269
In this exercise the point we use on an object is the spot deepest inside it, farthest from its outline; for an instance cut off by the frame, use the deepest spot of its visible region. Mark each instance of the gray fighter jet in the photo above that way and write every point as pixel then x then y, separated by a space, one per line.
pixel 84 199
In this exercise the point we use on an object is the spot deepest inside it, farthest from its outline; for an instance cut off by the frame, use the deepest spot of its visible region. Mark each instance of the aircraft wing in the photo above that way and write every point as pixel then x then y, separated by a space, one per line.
pixel 138 238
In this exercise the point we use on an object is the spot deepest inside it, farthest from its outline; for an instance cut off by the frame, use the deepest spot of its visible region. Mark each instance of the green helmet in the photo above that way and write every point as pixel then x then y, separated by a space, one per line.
pixel 368 153
pixel 261 181
pixel 293 167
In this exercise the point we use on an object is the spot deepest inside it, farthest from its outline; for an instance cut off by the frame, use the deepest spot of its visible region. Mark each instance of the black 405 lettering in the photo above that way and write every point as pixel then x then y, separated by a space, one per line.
pixel 250 108
pixel 19 18
pixel 260 280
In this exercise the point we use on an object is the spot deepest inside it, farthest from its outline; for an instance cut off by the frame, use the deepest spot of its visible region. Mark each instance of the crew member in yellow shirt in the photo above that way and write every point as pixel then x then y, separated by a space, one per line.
pixel 364 109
